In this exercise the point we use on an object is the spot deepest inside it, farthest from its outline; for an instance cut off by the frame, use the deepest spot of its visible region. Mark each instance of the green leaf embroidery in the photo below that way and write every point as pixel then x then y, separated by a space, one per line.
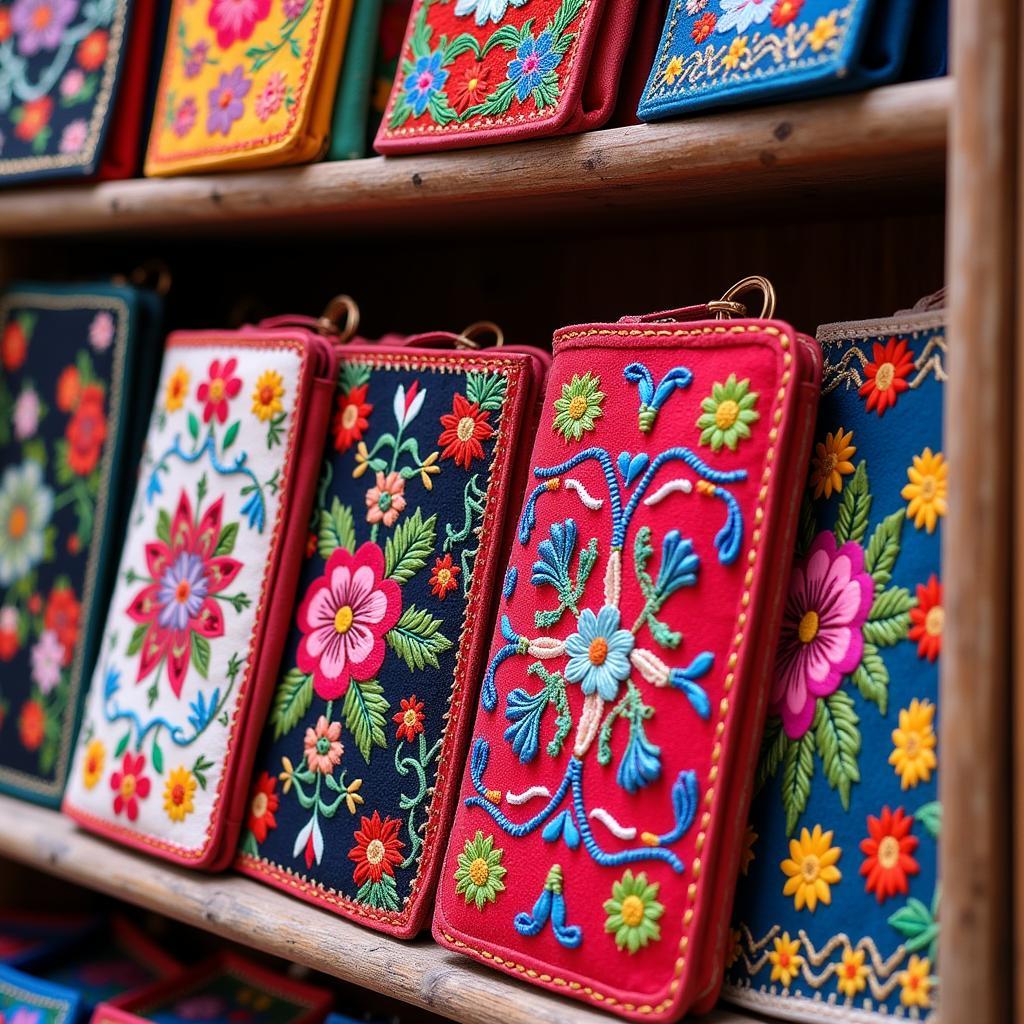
pixel 838 738
pixel 487 390
pixel 122 746
pixel 248 845
pixel 226 541
pixel 889 618
pixel 292 698
pixel 200 768
pixel 193 426
pixel 337 529
pixel 797 770
pixel 353 375
pixel 365 712
pixel 382 894
pixel 774 745
pixel 915 923
pixel 417 638
pixel 163 526
pixel 884 546
pixel 201 654
pixel 854 508
pixel 135 644
pixel 871 677
pixel 930 816
pixel 158 758
pixel 232 433
pixel 409 548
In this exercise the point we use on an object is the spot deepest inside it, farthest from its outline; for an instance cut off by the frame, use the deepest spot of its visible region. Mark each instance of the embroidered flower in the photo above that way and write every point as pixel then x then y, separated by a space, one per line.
pixel 177 390
pixel 579 407
pixel 926 491
pixel 86 431
pixel 443 578
pixel 322 746
pixel 429 469
pixel 179 791
pixel 47 657
pixel 92 766
pixel 235 19
pixel 741 14
pixel 293 8
pixel 72 82
pixel 479 874
pixel 5 24
pixel 74 136
pixel 216 392
pixel 385 501
pixel 185 117
pixel 26 413
pixel 888 854
pixel 471 88
pixel 8 632
pixel 695 6
pixel 92 50
pixel 810 869
pixel 831 463
pixel 785 960
pixel 226 105
pixel 195 58
pixel 69 389
pixel 362 460
pixel 464 428
pixel 484 9
pixel 271 97
pixel 675 66
pixel 101 331
pixel 927 619
pixel 916 982
pixel 179 602
pixel 830 596
pixel 823 33
pixel 33 118
pixel 343 618
pixel 32 725
pixel 63 615
pixel 407 404
pixel 263 802
pixel 377 849
pixel 599 653
pixel 267 395
pixel 852 973
pixel 40 24
pixel 26 504
pixel 701 31
pixel 424 82
pixel 736 52
pixel 351 417
pixel 728 412
pixel 13 346
pixel 913 754
pixel 633 912
pixel 885 377
pixel 534 60
pixel 409 719
pixel 352 797
pixel 130 785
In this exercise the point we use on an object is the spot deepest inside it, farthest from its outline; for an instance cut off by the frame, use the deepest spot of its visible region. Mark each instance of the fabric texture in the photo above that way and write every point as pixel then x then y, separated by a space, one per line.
pixel 838 908
pixel 355 785
pixel 186 646
pixel 596 836
pixel 355 84
pixel 246 84
pixel 77 377
pixel 27 1000
pixel 736 51
pixel 483 71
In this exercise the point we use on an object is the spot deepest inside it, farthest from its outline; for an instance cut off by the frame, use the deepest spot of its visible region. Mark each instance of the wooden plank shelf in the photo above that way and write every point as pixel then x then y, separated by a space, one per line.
pixel 870 143
pixel 257 916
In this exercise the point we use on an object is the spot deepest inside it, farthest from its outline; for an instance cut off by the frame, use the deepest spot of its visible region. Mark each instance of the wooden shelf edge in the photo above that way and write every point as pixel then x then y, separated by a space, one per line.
pixel 865 141
pixel 262 918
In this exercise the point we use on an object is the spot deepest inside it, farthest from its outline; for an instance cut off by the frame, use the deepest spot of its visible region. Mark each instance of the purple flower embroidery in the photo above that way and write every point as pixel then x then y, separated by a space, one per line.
pixel 226 105
pixel 40 24
pixel 196 58
pixel 830 596
pixel 185 117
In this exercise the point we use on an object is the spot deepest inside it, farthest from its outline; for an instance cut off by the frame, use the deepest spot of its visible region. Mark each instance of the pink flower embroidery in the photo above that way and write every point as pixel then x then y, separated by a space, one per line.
pixel 385 501
pixel 270 99
pixel 216 392
pixel 74 136
pixel 322 746
pixel 235 19
pixel 185 117
pixel 830 596
pixel 344 617
pixel 101 331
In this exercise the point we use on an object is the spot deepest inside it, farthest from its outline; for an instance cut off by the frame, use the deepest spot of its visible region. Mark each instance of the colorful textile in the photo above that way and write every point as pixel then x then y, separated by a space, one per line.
pixel 27 1000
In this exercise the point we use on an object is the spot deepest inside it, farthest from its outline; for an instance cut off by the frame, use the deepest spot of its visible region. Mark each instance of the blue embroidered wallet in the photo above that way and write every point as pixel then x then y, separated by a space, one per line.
pixel 27 1000
pixel 727 52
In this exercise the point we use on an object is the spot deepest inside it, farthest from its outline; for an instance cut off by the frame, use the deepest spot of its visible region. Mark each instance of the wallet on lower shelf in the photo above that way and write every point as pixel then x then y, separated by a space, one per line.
pixel 28 1000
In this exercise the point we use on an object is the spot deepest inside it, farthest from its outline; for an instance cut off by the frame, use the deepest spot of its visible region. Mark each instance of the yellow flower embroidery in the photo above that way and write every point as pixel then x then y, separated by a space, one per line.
pixel 785 960
pixel 267 395
pixel 831 463
pixel 824 30
pixel 851 975
pixel 674 70
pixel 352 796
pixel 177 390
pixel 429 469
pixel 178 792
pixel 362 459
pixel 95 759
pixel 913 754
pixel 287 776
pixel 926 492
pixel 811 869
pixel 916 983
pixel 737 49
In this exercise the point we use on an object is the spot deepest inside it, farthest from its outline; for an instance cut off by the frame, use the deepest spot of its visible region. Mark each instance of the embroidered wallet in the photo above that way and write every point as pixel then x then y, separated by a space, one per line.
pixel 597 835
pixel 246 84
pixel 475 72
pixel 838 909
pixel 739 51
pixel 78 366
pixel 358 774
pixel 207 575
pixel 27 1000
pixel 350 120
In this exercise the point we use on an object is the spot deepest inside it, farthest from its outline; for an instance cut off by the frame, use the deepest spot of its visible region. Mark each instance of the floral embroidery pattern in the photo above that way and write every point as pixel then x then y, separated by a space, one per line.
pixel 810 869
pixel 633 912
pixel 728 414
pixel 579 407
pixel 479 874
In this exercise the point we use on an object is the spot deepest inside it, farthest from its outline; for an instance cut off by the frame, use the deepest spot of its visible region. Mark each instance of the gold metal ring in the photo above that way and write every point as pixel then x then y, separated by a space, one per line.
pixel 749 284
pixel 468 337
pixel 332 324
pixel 722 309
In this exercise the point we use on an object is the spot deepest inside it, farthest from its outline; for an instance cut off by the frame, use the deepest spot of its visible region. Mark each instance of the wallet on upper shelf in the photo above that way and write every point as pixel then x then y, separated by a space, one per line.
pixel 78 364
pixel 358 774
pixel 598 832
pixel 351 117
pixel 476 72
pixel 197 621
pixel 839 900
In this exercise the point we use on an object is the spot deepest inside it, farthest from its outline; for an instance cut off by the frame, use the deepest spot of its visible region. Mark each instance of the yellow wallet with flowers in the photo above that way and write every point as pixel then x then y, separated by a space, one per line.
pixel 246 83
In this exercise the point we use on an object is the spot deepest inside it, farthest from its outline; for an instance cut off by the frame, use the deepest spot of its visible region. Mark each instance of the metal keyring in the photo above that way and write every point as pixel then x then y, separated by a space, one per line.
pixel 466 337
pixel 331 324
pixel 753 283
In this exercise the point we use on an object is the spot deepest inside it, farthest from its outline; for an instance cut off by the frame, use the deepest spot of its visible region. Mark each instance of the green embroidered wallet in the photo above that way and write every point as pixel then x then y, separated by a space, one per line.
pixel 352 107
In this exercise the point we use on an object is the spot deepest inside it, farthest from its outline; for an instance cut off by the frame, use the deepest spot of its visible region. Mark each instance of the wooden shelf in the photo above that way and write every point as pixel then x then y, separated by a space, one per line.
pixel 870 143
pixel 257 916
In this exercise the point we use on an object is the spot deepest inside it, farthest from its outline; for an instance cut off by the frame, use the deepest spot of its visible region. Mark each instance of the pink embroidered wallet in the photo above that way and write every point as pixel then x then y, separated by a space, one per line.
pixel 597 838
pixel 475 72
pixel 208 570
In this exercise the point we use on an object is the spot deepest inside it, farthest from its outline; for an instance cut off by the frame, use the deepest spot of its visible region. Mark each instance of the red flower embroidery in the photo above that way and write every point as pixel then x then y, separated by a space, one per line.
pixel 179 600
pixel 927 619
pixel 8 633
pixel 351 417
pixel 471 88
pixel 92 50
pixel 703 27
pixel 31 725
pixel 785 11
pixel 216 392
pixel 69 389
pixel 409 719
pixel 443 578
pixel 86 431
pixel 263 801
pixel 5 24
pixel 464 428
pixel 888 853
pixel 130 785
pixel 13 346
pixel 885 377
pixel 63 613
pixel 377 849
pixel 236 19
pixel 35 116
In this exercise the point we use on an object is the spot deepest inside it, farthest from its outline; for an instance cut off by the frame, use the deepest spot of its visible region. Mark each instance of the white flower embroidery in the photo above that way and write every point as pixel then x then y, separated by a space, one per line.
pixel 741 14
pixel 695 6
pixel 484 9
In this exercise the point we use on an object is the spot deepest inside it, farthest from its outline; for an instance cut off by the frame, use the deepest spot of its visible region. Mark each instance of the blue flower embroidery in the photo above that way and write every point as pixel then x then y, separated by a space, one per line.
pixel 599 653
pixel 534 59
pixel 427 79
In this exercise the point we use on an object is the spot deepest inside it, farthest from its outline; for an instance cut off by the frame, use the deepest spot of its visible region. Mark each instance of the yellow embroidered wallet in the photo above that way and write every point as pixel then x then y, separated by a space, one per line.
pixel 246 83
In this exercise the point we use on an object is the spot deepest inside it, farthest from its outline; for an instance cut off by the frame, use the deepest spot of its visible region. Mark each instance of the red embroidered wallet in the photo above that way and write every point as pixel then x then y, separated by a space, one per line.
pixel 597 840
